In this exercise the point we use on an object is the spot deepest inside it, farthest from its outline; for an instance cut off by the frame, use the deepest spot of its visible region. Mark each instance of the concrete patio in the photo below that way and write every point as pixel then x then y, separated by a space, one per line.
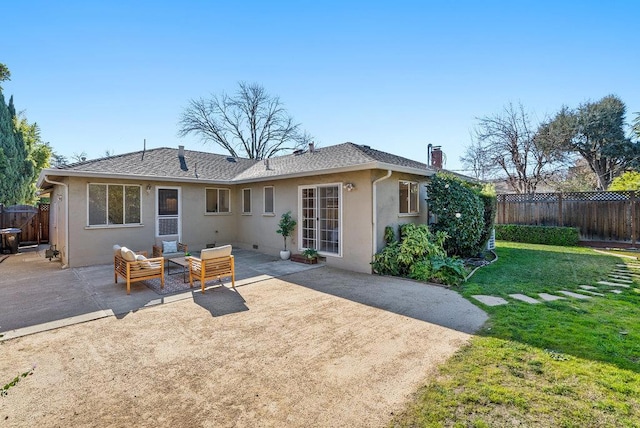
pixel 37 295
pixel 320 347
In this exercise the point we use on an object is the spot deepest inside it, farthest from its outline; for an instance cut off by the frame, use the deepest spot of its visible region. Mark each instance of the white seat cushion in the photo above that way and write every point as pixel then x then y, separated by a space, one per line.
pixel 213 253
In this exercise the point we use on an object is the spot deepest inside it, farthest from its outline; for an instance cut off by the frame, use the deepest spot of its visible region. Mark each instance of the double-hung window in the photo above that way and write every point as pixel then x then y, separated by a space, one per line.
pixel 408 195
pixel 246 201
pixel 269 197
pixel 217 200
pixel 113 204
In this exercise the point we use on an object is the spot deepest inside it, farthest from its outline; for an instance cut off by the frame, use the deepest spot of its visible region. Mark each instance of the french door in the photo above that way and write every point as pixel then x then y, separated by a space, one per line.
pixel 320 215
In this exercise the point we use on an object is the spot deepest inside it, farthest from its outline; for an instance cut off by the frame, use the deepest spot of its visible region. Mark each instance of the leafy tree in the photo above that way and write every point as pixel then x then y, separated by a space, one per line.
pixel 251 123
pixel 636 126
pixel 508 145
pixel 460 214
pixel 58 159
pixel 595 130
pixel 629 180
pixel 38 154
pixel 5 74
pixel 22 155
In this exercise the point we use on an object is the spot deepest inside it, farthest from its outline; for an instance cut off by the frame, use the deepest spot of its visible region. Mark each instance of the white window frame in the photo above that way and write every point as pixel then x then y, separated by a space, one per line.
pixel 273 201
pixel 124 195
pixel 226 189
pixel 409 183
pixel 244 208
pixel 317 206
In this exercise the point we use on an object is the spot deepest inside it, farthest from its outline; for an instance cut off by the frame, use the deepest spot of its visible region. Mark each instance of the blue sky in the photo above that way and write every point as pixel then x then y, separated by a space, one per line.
pixel 396 76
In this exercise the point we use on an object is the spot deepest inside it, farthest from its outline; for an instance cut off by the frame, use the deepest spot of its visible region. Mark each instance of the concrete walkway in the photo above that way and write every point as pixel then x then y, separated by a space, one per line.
pixel 37 295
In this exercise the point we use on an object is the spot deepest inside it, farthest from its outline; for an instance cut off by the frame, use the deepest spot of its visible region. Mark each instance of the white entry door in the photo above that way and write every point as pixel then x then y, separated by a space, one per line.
pixel 168 207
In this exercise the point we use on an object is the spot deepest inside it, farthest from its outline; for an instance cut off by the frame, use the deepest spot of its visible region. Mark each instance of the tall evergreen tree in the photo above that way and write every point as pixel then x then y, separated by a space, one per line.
pixel 22 156
pixel 9 174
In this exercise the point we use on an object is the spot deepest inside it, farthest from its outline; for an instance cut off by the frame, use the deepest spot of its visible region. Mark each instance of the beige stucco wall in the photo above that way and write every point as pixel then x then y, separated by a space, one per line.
pixel 93 245
pixel 258 230
pixel 58 221
pixel 389 204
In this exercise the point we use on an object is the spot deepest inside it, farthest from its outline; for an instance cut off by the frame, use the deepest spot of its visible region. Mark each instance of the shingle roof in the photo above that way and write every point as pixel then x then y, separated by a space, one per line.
pixel 324 158
pixel 164 162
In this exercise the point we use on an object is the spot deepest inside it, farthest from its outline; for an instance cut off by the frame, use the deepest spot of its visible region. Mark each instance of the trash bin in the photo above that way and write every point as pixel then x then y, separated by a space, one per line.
pixel 10 239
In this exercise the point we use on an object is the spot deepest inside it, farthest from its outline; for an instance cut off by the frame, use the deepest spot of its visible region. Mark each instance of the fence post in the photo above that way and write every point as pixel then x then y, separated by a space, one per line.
pixel 632 201
pixel 560 221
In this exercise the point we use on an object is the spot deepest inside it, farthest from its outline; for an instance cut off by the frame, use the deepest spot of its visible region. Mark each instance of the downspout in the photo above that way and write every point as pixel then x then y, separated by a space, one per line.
pixel 66 210
pixel 374 211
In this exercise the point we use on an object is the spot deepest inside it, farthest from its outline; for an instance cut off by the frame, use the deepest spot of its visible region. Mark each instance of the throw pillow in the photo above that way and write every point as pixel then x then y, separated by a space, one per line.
pixel 169 246
pixel 127 254
pixel 143 262
pixel 116 249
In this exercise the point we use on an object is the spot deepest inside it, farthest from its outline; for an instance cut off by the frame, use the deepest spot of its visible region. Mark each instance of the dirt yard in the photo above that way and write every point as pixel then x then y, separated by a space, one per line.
pixel 347 350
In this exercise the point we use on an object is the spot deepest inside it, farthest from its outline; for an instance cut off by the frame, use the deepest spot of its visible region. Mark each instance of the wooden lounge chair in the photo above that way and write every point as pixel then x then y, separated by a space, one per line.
pixel 137 267
pixel 214 263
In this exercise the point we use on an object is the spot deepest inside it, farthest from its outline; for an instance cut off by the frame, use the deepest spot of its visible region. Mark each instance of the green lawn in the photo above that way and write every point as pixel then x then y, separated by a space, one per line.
pixel 568 363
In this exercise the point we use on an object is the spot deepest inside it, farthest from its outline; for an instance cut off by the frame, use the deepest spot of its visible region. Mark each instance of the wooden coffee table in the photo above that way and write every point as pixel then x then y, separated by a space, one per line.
pixel 179 261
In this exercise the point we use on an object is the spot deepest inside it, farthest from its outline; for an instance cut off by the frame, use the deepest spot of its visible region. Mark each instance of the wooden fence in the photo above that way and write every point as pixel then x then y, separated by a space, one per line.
pixel 33 222
pixel 600 216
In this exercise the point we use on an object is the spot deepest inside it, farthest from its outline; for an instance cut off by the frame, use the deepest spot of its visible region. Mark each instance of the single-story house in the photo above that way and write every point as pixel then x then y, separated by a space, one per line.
pixel 341 196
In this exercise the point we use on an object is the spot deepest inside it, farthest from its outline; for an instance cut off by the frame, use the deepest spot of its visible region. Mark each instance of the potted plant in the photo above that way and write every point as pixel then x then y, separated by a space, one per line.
pixel 285 228
pixel 311 255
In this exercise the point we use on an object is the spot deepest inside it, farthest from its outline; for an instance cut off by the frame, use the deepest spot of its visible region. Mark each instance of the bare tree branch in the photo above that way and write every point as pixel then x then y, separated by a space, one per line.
pixel 252 123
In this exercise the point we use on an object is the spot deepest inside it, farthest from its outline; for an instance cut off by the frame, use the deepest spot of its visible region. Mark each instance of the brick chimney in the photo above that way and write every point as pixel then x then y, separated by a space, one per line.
pixel 436 157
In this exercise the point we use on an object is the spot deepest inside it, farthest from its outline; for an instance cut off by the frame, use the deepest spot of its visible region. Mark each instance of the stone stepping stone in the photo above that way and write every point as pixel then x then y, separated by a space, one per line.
pixel 628 266
pixel 594 293
pixel 615 291
pixel 626 273
pixel 613 284
pixel 588 287
pixel 524 298
pixel 490 300
pixel 621 276
pixel 574 295
pixel 550 297
pixel 619 279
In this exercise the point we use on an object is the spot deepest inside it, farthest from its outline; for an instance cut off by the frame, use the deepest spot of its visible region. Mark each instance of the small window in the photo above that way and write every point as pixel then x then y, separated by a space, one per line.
pixel 218 201
pixel 408 193
pixel 269 200
pixel 246 201
pixel 113 204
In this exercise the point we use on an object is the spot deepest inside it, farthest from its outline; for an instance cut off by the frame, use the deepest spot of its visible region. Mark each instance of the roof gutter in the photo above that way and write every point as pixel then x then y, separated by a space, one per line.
pixel 374 211
pixel 66 210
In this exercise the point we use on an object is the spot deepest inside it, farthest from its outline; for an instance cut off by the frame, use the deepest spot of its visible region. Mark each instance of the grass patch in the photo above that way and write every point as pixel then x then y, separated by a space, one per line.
pixel 563 363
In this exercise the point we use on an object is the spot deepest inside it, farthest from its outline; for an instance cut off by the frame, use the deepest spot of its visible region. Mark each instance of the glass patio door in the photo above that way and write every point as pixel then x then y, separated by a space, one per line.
pixel 320 219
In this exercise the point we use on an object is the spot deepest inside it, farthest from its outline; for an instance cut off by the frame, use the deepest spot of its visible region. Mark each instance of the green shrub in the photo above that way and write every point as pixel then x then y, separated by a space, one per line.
pixel 418 255
pixel 488 198
pixel 459 211
pixel 548 235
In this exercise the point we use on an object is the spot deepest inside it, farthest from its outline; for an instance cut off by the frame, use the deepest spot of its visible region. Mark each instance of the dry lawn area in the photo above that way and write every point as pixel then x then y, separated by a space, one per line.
pixel 275 353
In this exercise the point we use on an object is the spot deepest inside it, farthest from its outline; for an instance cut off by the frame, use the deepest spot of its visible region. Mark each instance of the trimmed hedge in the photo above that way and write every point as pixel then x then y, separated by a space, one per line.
pixel 548 235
